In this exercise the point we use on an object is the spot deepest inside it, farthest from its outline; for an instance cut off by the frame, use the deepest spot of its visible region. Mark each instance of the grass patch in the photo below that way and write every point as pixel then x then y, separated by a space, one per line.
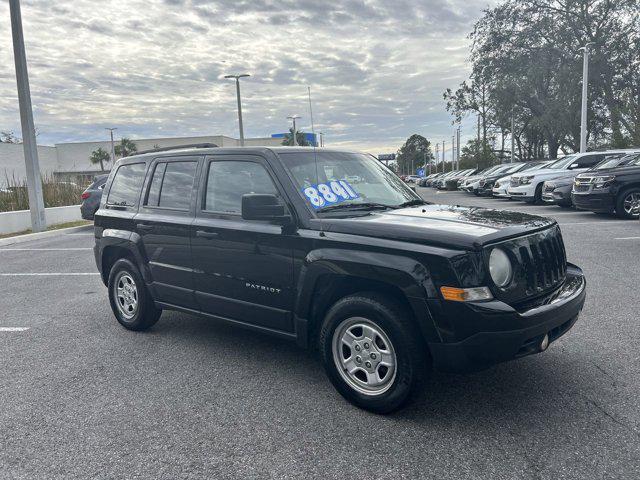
pixel 14 195
pixel 59 226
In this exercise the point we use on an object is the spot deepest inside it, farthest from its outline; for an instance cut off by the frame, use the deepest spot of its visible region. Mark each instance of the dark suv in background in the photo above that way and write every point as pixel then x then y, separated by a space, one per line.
pixel 384 285
pixel 610 190
pixel 91 197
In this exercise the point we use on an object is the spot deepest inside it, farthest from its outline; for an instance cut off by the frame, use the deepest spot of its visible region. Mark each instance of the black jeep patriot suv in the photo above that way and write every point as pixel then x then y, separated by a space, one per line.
pixel 385 285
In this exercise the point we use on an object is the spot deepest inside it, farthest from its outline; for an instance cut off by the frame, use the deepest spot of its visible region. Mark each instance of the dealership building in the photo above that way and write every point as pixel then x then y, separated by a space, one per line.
pixel 70 161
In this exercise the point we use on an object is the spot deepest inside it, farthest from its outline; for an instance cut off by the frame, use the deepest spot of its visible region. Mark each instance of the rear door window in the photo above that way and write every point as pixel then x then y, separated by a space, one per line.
pixel 126 186
pixel 172 185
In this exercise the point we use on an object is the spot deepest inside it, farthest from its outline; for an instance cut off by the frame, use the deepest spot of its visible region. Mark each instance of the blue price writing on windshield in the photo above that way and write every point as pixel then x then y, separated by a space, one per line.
pixel 329 193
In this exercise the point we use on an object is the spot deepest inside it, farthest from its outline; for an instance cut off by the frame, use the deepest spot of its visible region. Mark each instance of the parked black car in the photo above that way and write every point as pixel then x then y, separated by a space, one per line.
pixel 383 284
pixel 91 197
pixel 609 190
pixel 452 182
pixel 558 190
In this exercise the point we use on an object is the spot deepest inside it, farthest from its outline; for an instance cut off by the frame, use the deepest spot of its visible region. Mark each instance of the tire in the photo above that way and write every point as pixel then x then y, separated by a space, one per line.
pixel 393 340
pixel 134 307
pixel 537 197
pixel 622 203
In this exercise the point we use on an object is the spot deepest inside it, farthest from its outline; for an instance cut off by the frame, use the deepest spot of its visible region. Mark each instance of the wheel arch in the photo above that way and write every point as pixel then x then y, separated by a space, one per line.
pixel 329 275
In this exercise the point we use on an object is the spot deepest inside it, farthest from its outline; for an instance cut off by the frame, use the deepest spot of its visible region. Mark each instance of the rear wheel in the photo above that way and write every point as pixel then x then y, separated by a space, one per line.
pixel 627 203
pixel 372 352
pixel 537 197
pixel 130 300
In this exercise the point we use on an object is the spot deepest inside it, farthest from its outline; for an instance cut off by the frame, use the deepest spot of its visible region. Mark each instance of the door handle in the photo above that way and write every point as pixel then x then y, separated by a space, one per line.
pixel 144 228
pixel 203 234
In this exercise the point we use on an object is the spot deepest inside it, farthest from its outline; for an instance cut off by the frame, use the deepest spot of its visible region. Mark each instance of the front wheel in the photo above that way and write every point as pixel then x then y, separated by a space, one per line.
pixel 627 203
pixel 372 352
pixel 130 300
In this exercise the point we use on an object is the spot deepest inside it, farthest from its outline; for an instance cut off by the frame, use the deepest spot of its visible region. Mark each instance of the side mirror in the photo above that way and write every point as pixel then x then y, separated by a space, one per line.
pixel 573 165
pixel 258 206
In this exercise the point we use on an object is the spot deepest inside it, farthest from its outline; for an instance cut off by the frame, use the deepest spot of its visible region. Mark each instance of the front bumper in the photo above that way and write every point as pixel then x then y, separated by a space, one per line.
pixel 505 333
pixel 559 196
pixel 594 201
pixel 522 192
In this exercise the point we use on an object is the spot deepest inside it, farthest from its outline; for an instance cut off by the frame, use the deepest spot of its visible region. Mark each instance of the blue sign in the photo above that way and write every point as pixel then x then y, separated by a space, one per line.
pixel 309 137
pixel 420 172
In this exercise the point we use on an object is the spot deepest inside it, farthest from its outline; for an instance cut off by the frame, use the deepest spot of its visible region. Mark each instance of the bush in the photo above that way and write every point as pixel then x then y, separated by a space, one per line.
pixel 56 194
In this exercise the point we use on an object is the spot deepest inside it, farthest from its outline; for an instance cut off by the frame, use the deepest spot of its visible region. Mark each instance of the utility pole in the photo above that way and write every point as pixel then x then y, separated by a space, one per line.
pixel 479 136
pixel 113 148
pixel 295 132
pixel 34 180
pixel 585 85
pixel 241 127
pixel 453 151
pixel 321 139
pixel 437 155
pixel 444 165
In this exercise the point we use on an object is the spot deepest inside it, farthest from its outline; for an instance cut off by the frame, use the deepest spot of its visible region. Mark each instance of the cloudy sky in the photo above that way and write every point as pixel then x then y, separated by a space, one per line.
pixel 376 68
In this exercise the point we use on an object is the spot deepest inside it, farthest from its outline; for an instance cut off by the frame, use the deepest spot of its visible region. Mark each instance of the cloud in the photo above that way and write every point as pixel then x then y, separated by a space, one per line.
pixel 377 69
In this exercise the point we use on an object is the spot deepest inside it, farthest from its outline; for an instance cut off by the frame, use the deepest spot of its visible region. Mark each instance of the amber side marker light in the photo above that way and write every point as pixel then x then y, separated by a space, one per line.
pixel 454 294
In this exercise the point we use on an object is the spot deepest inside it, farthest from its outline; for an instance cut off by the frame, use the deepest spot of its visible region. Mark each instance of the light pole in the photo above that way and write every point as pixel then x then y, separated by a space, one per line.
pixel 240 126
pixel 458 151
pixel 295 132
pixel 34 180
pixel 113 148
pixel 437 155
pixel 321 139
pixel 585 85
pixel 513 129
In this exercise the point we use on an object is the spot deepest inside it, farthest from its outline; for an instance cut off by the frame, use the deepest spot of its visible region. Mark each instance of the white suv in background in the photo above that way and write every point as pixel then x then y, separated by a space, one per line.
pixel 527 186
pixel 502 184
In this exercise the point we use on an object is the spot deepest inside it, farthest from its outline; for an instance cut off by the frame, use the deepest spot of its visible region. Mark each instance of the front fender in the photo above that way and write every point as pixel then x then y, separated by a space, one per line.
pixel 408 274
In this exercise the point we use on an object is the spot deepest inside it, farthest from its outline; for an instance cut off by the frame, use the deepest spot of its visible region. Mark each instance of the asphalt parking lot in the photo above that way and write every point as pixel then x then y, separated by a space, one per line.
pixel 81 397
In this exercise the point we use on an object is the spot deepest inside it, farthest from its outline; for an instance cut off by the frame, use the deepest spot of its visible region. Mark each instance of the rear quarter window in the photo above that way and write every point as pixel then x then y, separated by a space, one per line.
pixel 127 185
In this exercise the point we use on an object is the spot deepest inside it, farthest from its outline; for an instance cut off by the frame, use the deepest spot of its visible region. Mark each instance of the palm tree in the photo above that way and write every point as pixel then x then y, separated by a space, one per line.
pixel 126 147
pixel 300 137
pixel 100 156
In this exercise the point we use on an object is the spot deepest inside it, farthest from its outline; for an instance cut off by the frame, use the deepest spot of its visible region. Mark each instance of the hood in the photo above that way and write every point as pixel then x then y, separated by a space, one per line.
pixel 446 226
pixel 549 173
pixel 566 176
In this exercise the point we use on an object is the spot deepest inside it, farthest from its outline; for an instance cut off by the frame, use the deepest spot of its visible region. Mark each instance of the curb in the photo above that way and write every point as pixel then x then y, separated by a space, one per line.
pixel 37 236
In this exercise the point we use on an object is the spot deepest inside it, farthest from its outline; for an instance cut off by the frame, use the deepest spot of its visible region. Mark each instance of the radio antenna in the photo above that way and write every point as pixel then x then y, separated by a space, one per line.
pixel 315 153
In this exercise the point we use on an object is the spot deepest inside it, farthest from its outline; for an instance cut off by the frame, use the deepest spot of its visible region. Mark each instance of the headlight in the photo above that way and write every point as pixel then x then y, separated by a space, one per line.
pixel 526 180
pixel 602 182
pixel 500 267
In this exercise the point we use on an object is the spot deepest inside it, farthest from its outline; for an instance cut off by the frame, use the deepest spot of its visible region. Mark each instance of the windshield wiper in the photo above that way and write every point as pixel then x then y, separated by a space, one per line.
pixel 355 206
pixel 412 203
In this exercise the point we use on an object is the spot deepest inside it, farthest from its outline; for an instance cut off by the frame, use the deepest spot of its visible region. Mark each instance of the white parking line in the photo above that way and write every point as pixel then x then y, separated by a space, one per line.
pixel 58 274
pixel 42 249
pixel 13 329
pixel 627 238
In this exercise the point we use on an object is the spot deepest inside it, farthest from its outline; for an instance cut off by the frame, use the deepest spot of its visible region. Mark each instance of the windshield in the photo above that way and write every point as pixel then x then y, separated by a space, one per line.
pixel 514 168
pixel 635 162
pixel 562 163
pixel 616 162
pixel 346 179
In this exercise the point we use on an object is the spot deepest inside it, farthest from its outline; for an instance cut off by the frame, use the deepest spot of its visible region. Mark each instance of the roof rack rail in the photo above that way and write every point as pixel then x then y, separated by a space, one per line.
pixel 177 147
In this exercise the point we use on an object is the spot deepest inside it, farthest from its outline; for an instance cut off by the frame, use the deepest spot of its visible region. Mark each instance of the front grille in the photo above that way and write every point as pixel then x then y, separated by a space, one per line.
pixel 544 262
pixel 481 183
pixel 581 188
pixel 582 184
pixel 540 265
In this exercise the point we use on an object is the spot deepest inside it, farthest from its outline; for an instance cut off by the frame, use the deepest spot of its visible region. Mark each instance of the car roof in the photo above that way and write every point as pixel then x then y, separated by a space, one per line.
pixel 230 150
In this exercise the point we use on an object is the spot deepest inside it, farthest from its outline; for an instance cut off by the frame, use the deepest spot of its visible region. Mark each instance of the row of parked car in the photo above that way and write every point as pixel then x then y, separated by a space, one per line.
pixel 602 182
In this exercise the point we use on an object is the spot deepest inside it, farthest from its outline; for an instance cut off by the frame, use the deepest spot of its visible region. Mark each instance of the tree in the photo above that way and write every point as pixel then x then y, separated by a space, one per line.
pixel 415 153
pixel 100 156
pixel 125 148
pixel 9 137
pixel 301 139
pixel 526 64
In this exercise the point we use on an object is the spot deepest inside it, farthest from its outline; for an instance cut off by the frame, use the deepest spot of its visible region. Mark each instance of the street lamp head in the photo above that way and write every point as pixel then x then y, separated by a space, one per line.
pixel 294 117
pixel 243 75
